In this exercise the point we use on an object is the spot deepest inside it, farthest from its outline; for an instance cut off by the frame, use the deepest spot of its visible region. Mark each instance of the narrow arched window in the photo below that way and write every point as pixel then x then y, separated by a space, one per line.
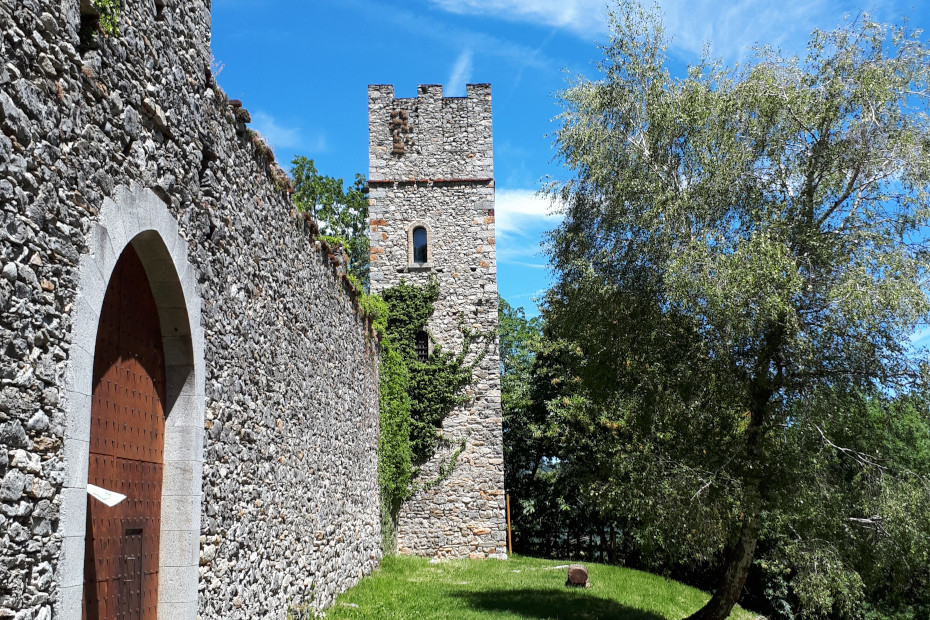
pixel 419 245
pixel 421 346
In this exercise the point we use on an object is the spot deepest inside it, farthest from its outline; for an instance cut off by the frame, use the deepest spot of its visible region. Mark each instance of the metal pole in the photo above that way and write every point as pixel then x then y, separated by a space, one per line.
pixel 509 543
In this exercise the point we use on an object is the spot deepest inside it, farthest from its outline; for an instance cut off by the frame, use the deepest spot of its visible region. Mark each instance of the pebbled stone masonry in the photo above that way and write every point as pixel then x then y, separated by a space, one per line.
pixel 289 510
pixel 437 171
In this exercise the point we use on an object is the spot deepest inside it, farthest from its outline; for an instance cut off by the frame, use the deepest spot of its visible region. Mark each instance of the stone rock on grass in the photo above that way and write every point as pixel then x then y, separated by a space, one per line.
pixel 578 576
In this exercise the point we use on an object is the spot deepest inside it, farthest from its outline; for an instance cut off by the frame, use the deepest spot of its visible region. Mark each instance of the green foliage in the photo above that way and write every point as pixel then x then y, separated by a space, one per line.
pixel 437 385
pixel 409 309
pixel 102 16
pixel 857 537
pixel 541 506
pixel 518 338
pixel 436 388
pixel 415 396
pixel 394 454
pixel 374 307
pixel 445 468
pixel 109 15
pixel 741 250
pixel 395 469
pixel 342 212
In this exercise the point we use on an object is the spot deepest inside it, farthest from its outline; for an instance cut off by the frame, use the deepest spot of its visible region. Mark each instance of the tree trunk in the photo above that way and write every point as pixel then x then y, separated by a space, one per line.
pixel 727 594
pixel 723 600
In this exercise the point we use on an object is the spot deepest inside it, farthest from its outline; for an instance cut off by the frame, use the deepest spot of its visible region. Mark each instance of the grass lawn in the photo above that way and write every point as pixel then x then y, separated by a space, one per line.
pixel 521 587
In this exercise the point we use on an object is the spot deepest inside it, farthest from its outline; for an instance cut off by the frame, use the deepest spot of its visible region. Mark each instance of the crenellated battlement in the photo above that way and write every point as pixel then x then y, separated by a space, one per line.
pixel 430 137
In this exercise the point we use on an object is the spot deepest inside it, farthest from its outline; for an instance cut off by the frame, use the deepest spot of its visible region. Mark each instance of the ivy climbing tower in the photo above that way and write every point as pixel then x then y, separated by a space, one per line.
pixel 431 180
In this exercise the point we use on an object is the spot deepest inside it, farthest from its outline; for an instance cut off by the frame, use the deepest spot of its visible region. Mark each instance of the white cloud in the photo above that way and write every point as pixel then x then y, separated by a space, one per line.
pixel 281 137
pixel 580 16
pixel 448 34
pixel 522 211
pixel 522 217
pixel 732 27
pixel 460 76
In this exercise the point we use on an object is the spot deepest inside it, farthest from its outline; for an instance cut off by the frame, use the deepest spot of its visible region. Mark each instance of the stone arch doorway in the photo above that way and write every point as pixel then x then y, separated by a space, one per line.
pixel 127 439
pixel 136 222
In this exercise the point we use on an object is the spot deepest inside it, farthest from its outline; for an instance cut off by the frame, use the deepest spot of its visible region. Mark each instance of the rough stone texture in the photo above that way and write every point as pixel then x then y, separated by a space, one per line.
pixel 577 576
pixel 290 505
pixel 433 166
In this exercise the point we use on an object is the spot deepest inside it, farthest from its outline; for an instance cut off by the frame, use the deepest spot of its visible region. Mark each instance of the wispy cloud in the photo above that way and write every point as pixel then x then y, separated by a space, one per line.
pixel 533 296
pixel 282 137
pixel 518 211
pixel 732 27
pixel 461 74
pixel 277 135
pixel 448 34
pixel 580 16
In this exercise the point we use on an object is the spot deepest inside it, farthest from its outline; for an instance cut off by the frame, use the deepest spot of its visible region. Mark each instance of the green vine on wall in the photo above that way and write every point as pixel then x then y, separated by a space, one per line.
pixel 416 396
pixel 98 16
pixel 437 385
pixel 445 467
pixel 109 15
pixel 395 467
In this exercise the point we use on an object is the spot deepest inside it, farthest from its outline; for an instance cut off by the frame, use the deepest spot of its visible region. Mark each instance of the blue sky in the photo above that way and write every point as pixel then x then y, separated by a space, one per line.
pixel 302 68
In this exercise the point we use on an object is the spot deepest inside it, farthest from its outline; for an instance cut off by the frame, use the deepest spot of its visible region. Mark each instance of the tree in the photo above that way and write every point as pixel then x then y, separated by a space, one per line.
pixel 342 212
pixel 528 441
pixel 735 244
pixel 519 337
pixel 854 535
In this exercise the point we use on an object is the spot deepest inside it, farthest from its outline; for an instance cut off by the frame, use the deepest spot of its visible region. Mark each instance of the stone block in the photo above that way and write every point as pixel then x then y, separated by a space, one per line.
pixel 69 601
pixel 71 562
pixel 181 478
pixel 178 610
pixel 184 443
pixel 77 408
pixel 177 584
pixel 73 511
pixel 177 548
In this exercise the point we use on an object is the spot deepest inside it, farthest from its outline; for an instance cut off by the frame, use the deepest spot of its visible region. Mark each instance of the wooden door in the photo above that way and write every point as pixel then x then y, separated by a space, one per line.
pixel 126 445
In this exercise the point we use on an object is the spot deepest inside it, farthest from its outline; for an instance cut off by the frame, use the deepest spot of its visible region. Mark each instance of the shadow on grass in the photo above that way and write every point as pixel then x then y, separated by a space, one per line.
pixel 548 603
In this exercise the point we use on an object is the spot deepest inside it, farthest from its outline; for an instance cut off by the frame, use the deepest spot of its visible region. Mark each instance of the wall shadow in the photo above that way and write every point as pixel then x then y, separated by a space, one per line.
pixel 552 603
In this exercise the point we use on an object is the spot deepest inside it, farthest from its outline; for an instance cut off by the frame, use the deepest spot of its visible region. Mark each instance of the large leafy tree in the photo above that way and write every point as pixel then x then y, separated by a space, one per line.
pixel 342 212
pixel 736 244
pixel 529 437
pixel 519 338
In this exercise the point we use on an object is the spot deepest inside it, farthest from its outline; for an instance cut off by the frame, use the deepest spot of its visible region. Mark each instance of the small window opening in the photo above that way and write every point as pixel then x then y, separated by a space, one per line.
pixel 419 245
pixel 421 346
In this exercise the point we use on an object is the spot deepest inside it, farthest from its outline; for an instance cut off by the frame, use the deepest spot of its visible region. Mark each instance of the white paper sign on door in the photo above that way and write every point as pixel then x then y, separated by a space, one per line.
pixel 110 498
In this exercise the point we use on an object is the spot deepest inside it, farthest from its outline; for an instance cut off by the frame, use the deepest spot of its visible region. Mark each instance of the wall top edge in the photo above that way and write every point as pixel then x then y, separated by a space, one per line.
pixel 430 91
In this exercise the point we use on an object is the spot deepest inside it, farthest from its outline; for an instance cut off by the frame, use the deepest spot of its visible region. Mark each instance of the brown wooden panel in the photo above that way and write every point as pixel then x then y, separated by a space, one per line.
pixel 126 450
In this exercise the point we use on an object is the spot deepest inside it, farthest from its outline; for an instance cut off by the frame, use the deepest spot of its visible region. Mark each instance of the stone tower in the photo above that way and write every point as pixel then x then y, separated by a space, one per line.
pixel 431 178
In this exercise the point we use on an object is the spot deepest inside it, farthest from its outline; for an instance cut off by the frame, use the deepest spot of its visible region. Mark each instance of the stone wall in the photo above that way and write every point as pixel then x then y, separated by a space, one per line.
pixel 431 164
pixel 289 512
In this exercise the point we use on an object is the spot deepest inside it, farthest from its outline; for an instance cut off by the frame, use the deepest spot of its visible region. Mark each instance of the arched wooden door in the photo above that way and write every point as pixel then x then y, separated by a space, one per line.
pixel 126 445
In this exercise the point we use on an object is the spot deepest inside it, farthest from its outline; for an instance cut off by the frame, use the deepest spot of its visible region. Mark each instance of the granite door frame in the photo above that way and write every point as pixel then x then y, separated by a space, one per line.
pixel 135 215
